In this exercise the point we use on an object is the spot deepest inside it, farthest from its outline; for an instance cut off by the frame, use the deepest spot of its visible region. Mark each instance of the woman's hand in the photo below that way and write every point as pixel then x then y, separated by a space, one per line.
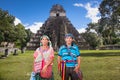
pixel 44 69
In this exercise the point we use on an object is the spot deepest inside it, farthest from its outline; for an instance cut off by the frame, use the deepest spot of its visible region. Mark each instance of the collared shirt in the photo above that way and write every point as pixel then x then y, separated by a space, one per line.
pixel 69 54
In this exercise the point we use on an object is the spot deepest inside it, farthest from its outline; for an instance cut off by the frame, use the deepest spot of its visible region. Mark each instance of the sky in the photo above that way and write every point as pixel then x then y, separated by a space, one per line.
pixel 33 13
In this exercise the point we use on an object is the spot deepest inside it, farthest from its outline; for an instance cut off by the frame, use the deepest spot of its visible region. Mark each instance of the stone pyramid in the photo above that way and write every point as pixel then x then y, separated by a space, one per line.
pixel 56 26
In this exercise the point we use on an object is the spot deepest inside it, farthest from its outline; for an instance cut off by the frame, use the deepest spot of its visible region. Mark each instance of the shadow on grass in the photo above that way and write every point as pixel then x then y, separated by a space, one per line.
pixel 101 54
pixel 1 78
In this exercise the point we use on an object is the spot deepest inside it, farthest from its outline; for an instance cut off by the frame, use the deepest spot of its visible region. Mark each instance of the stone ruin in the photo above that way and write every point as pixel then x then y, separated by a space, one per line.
pixel 56 26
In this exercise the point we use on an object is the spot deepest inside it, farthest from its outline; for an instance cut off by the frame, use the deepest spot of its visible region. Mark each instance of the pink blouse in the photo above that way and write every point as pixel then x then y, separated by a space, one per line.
pixel 39 55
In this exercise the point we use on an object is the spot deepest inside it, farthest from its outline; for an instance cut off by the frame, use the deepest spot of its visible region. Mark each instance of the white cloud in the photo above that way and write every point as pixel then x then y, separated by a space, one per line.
pixel 92 12
pixel 92 30
pixel 81 30
pixel 34 27
pixel 26 24
pixel 78 5
pixel 17 21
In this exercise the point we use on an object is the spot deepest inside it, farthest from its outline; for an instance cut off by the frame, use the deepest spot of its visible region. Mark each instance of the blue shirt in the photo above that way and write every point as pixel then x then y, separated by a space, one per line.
pixel 69 53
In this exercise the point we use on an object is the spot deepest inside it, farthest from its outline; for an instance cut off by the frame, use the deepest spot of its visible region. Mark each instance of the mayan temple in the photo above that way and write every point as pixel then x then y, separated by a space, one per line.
pixel 56 26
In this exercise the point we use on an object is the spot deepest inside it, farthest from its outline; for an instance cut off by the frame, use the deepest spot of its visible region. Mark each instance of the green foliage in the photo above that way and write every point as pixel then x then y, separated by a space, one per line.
pixel 20 34
pixel 20 31
pixel 1 37
pixel 108 26
pixel 29 35
pixel 94 26
pixel 110 20
pixel 92 39
pixel 6 26
pixel 12 33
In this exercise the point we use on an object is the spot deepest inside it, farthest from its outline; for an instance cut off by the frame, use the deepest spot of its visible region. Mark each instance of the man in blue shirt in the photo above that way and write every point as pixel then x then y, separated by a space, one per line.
pixel 69 53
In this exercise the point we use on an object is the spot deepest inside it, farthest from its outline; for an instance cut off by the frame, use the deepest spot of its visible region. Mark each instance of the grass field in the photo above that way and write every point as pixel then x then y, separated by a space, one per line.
pixel 95 65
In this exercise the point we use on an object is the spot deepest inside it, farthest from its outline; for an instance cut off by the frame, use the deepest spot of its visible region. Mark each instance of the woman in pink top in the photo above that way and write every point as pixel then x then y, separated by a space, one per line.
pixel 44 52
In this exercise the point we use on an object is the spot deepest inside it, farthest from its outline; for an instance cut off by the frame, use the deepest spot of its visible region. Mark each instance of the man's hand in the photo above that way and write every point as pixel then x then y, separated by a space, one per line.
pixel 78 66
pixel 77 69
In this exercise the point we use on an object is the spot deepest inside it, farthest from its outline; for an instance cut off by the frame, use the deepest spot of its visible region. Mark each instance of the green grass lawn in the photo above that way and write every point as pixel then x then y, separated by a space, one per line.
pixel 95 65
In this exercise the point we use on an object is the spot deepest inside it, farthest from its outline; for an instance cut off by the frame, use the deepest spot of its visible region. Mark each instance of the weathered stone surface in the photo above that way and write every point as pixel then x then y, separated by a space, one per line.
pixel 56 26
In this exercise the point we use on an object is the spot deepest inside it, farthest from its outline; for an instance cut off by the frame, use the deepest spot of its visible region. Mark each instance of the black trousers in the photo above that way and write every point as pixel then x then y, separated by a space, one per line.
pixel 70 73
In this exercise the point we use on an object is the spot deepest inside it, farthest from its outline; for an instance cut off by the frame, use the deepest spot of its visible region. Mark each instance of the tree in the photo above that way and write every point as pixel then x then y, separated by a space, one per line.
pixel 29 35
pixel 109 23
pixel 98 31
pixel 11 33
pixel 92 39
pixel 1 37
pixel 6 26
pixel 20 35
pixel 108 26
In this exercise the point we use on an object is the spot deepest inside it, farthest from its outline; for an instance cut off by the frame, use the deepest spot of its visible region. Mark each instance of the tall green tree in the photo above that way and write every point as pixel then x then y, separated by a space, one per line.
pixel 98 31
pixel 20 35
pixel 11 33
pixel 109 23
pixel 92 39
pixel 108 27
pixel 29 35
pixel 6 26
